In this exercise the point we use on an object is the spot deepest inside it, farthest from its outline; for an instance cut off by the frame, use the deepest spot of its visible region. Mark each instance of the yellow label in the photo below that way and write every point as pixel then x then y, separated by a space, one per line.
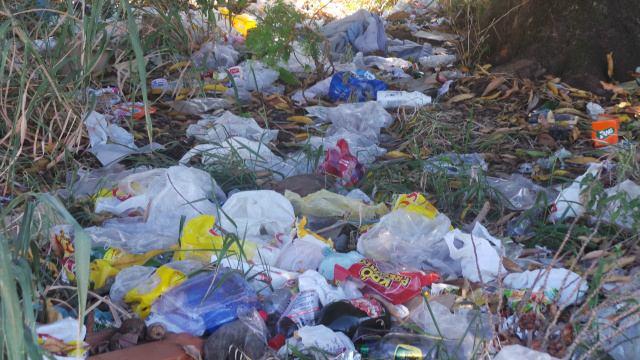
pixel 407 352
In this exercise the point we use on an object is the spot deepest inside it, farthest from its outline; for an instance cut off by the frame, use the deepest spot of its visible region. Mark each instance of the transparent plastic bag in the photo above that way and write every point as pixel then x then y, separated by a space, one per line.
pixel 365 119
pixel 228 125
pixel 518 192
pixel 405 237
pixel 215 56
pixel 247 334
pixel 203 303
pixel 144 278
pixel 453 326
pixel 302 254
pixel 454 164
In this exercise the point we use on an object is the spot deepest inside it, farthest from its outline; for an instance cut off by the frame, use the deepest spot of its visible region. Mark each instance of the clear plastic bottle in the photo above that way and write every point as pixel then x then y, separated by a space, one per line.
pixel 400 346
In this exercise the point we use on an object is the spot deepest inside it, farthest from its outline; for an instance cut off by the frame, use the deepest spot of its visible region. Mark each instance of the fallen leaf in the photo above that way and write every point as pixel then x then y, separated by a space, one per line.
pixel 192 351
pixel 491 97
pixel 493 85
pixel 582 160
pixel 511 266
pixel 546 140
pixel 398 154
pixel 610 65
pixel 616 278
pixel 459 98
pixel 561 173
pixel 551 86
pixel 616 89
pixel 596 254
pixel 300 119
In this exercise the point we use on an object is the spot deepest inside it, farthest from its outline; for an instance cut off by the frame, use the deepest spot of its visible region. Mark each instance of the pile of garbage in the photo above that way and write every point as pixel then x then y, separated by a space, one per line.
pixel 314 266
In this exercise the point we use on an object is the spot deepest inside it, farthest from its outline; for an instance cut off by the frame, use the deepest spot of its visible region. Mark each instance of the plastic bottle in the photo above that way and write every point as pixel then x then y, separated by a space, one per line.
pixel 204 302
pixel 392 99
pixel 348 315
pixel 436 60
pixel 399 346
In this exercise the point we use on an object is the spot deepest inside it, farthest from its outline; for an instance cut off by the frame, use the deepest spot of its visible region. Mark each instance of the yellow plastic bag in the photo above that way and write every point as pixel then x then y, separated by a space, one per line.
pixel 143 295
pixel 242 22
pixel 99 271
pixel 327 204
pixel 202 241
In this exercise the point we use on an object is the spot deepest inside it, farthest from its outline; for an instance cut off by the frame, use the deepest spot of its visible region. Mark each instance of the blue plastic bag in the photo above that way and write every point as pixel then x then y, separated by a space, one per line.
pixel 362 84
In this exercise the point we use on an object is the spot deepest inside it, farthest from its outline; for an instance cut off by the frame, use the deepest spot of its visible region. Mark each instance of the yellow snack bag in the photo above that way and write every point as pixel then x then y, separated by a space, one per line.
pixel 415 202
pixel 143 295
pixel 99 271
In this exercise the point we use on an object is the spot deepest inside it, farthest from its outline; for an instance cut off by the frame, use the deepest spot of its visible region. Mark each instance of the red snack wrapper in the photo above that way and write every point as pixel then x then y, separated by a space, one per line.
pixel 398 287
pixel 339 162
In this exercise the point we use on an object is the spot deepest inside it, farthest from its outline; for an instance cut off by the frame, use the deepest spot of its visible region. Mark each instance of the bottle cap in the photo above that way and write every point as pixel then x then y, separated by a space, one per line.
pixel 277 341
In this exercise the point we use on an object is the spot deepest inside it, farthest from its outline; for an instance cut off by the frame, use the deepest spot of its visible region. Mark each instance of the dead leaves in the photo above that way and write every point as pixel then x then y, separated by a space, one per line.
pixel 616 89
pixel 493 85
pixel 458 98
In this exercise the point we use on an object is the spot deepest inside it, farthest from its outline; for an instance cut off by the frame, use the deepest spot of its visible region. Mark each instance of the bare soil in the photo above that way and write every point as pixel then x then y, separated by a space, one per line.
pixel 569 38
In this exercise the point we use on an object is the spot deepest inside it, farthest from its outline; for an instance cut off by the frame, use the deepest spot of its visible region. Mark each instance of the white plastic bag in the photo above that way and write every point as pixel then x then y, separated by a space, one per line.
pixel 323 338
pixel 569 202
pixel 573 288
pixel 482 255
pixel 511 352
pixel 312 280
pixel 257 212
pixel 302 254
pixel 228 125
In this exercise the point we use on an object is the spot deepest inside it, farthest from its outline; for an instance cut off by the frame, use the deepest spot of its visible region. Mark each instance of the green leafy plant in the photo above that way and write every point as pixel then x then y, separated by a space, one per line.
pixel 273 39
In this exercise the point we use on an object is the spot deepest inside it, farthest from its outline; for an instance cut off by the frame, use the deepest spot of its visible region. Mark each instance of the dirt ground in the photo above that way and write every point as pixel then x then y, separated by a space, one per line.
pixel 569 39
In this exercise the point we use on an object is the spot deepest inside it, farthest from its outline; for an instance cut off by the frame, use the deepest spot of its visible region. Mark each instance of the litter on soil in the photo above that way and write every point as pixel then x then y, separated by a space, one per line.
pixel 366 196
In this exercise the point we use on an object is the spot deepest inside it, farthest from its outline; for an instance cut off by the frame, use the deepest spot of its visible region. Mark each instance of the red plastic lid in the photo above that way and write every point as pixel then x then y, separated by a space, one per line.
pixel 263 315
pixel 277 341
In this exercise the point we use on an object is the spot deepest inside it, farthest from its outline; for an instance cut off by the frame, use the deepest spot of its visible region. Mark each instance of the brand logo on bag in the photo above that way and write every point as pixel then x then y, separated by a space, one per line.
pixel 370 271
pixel 603 134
